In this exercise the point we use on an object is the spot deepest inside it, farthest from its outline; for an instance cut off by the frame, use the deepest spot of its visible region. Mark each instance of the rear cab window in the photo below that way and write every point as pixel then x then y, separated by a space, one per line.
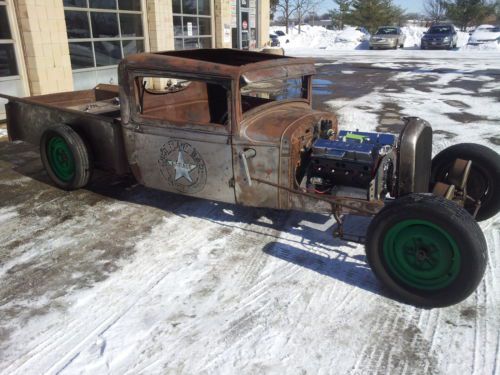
pixel 180 100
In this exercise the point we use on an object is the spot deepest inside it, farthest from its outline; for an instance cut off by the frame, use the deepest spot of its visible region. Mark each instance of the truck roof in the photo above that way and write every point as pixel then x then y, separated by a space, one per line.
pixel 222 62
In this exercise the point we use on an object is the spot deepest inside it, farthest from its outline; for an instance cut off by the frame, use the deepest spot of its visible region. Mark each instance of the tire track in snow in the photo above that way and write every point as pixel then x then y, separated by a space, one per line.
pixel 395 344
pixel 66 339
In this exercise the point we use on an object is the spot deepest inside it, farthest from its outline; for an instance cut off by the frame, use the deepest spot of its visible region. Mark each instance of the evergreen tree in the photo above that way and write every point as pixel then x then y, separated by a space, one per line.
pixel 374 13
pixel 466 13
pixel 338 16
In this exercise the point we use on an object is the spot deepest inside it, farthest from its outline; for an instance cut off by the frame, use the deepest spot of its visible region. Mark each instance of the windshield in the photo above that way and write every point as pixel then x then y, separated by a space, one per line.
pixel 387 30
pixel 440 30
pixel 255 94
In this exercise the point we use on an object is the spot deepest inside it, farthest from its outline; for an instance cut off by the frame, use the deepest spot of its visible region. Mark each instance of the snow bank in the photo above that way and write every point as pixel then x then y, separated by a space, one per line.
pixel 317 37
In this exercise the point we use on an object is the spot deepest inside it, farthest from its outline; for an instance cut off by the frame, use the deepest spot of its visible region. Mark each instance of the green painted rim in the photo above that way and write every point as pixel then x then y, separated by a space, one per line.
pixel 421 254
pixel 60 158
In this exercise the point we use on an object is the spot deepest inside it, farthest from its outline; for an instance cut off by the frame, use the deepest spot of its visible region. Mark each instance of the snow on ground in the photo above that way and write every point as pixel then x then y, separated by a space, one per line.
pixel 119 279
pixel 318 37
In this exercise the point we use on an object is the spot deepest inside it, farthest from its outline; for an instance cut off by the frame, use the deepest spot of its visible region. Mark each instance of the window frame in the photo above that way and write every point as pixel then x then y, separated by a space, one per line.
pixel 120 38
pixel 196 15
pixel 191 126
pixel 12 42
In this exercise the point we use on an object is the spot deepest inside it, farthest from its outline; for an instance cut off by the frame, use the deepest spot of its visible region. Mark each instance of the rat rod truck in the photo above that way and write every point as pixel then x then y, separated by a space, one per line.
pixel 238 127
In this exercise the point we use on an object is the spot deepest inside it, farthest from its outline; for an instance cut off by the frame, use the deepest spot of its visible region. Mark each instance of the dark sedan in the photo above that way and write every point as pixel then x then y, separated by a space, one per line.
pixel 274 41
pixel 440 36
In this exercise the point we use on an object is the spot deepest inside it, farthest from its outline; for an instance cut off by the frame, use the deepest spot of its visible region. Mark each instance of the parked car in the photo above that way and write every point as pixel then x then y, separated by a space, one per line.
pixel 280 33
pixel 238 127
pixel 485 34
pixel 388 37
pixel 353 35
pixel 273 40
pixel 440 36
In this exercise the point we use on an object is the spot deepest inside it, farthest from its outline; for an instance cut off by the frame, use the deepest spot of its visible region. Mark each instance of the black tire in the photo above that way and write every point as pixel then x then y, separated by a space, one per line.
pixel 462 271
pixel 422 47
pixel 73 167
pixel 484 179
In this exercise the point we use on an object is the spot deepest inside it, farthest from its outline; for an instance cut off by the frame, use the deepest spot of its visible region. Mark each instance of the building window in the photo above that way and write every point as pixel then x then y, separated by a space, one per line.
pixel 192 24
pixel 102 32
pixel 8 65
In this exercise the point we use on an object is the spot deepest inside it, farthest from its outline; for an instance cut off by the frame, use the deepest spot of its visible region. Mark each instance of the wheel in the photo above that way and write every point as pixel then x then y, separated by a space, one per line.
pixel 426 250
pixel 401 46
pixel 371 47
pixel 422 47
pixel 484 178
pixel 65 157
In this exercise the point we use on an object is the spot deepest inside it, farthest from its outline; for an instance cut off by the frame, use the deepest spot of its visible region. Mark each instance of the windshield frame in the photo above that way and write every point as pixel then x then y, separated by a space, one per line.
pixel 447 30
pixel 396 31
pixel 306 98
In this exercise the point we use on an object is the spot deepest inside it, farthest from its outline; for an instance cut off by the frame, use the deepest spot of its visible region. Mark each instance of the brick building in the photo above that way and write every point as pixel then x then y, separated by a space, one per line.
pixel 48 46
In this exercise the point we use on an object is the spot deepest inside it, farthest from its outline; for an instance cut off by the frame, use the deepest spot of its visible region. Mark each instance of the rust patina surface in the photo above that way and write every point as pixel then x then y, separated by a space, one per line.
pixel 190 140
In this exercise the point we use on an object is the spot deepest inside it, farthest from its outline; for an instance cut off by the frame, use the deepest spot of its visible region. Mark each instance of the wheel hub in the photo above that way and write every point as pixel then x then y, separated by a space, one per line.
pixel 60 158
pixel 421 254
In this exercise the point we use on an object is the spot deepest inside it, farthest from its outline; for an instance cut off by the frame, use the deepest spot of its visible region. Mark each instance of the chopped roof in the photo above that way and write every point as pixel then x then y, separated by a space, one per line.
pixel 220 62
pixel 223 56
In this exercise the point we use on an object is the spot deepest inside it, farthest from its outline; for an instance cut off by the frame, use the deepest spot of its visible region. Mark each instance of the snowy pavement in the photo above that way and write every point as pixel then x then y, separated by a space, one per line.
pixel 121 279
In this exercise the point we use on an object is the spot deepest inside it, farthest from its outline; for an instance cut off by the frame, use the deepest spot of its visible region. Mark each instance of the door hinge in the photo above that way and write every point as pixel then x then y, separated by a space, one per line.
pixel 231 182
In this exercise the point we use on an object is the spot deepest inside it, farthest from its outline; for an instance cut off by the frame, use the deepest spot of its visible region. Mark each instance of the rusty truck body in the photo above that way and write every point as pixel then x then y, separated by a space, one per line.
pixel 238 127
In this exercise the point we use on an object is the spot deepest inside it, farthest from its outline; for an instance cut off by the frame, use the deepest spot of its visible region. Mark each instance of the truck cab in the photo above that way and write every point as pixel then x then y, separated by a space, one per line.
pixel 188 116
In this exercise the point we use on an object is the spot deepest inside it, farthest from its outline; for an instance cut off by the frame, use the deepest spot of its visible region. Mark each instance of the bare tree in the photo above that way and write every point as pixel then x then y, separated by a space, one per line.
pixel 288 9
pixel 302 8
pixel 435 9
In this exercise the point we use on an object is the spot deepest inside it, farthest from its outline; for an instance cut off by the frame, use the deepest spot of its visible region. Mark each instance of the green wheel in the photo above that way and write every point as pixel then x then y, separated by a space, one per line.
pixel 421 254
pixel 65 157
pixel 426 250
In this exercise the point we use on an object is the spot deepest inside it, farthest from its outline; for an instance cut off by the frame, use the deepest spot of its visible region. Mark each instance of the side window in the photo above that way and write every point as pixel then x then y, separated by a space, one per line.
pixel 181 100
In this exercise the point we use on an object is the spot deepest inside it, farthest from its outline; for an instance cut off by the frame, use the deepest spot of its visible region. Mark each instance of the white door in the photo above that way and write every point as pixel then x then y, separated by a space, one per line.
pixel 10 69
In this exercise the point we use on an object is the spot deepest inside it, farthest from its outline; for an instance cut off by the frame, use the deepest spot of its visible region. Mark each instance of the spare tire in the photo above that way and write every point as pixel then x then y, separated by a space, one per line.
pixel 484 178
pixel 66 157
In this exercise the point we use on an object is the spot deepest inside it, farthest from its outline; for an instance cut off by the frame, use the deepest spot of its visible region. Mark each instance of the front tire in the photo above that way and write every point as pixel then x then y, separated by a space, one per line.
pixel 426 250
pixel 484 179
pixel 65 157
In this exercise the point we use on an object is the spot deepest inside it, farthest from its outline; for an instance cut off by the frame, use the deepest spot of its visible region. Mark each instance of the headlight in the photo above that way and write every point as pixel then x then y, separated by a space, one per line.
pixel 446 39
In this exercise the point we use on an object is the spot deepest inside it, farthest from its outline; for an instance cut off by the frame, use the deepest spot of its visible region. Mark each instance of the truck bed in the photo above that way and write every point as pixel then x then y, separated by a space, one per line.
pixel 102 100
pixel 94 114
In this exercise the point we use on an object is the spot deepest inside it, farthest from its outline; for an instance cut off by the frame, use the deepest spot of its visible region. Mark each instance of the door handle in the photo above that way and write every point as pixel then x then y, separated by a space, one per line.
pixel 244 156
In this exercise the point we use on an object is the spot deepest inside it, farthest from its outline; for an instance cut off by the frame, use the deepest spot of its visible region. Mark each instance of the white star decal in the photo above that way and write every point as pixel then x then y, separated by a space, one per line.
pixel 182 169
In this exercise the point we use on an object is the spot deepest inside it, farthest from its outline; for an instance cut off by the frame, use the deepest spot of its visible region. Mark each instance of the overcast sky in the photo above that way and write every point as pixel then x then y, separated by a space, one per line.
pixel 409 5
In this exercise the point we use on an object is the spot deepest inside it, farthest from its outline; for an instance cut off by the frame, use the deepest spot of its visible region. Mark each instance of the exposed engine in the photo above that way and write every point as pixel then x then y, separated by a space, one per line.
pixel 355 164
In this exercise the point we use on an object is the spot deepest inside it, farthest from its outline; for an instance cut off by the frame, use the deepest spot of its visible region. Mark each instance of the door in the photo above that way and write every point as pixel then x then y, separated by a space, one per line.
pixel 179 139
pixel 11 82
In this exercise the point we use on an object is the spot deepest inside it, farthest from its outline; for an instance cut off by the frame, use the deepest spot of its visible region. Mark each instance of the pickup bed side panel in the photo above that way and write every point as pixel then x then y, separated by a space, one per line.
pixel 27 121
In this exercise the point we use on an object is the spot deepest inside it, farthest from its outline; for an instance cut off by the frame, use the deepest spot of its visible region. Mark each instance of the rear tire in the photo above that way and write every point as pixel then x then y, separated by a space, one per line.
pixel 65 157
pixel 426 250
pixel 484 179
